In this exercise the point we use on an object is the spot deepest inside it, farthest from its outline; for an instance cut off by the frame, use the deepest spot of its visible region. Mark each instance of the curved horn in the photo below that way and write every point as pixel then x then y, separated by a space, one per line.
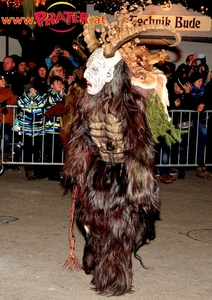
pixel 90 37
pixel 132 32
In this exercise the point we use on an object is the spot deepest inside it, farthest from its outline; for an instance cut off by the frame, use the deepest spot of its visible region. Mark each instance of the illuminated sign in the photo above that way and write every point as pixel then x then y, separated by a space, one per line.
pixel 59 16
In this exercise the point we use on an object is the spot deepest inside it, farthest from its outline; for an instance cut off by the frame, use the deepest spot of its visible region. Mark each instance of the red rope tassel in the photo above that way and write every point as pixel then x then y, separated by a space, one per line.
pixel 71 261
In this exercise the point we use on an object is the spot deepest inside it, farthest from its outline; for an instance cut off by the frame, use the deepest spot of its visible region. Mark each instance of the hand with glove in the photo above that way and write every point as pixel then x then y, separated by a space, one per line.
pixel 3 103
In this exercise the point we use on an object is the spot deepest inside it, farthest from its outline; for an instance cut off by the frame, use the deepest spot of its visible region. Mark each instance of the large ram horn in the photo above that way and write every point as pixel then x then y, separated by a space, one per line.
pixel 90 37
pixel 135 31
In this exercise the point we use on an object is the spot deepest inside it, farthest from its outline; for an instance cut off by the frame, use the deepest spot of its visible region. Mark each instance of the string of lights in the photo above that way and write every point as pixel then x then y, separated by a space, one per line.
pixel 111 6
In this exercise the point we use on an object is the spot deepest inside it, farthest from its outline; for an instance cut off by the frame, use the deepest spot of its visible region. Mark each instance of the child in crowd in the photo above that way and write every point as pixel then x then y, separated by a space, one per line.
pixel 30 117
pixel 53 144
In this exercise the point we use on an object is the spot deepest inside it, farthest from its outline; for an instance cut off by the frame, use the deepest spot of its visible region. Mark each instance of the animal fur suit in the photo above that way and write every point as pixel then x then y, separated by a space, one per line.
pixel 111 163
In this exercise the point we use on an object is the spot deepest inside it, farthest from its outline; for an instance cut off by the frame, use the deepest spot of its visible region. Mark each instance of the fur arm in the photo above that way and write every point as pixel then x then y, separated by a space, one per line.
pixel 56 110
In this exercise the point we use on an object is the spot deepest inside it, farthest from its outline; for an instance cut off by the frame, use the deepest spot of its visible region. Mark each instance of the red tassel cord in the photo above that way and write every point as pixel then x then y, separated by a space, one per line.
pixel 71 262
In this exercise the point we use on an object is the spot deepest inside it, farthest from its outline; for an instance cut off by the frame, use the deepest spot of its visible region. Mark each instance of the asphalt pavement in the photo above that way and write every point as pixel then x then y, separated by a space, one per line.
pixel 34 245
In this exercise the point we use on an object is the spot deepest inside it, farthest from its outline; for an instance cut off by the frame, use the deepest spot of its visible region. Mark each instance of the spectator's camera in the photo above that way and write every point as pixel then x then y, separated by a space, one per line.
pixel 200 56
pixel 60 52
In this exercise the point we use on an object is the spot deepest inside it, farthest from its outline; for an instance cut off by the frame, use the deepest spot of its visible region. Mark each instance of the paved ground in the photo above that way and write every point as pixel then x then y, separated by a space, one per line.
pixel 33 248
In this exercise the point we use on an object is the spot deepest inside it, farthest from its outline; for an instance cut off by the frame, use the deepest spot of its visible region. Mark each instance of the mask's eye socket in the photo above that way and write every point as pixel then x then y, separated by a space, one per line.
pixel 95 70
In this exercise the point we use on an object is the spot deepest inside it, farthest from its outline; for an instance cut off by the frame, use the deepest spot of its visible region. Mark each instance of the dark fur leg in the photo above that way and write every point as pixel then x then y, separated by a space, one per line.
pixel 108 255
pixel 88 259
pixel 113 273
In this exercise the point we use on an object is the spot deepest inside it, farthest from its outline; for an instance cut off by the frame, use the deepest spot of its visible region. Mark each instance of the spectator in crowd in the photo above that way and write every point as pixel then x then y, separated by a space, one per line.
pixel 40 79
pixel 58 70
pixel 176 87
pixel 167 67
pixel 191 65
pixel 21 66
pixel 32 68
pixel 12 77
pixel 191 61
pixel 6 116
pixel 183 70
pixel 199 102
pixel 180 99
pixel 204 70
pixel 59 54
pixel 30 117
pixel 55 94
pixel 179 94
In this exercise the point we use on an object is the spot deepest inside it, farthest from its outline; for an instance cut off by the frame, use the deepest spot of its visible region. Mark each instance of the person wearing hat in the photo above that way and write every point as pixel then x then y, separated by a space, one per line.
pixel 179 98
pixel 21 66
pixel 6 116
pixel 179 89
pixel 199 101
pixel 30 118
pixel 40 79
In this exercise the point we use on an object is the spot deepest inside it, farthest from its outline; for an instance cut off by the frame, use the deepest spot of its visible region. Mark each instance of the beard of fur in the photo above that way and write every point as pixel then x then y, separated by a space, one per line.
pixel 112 197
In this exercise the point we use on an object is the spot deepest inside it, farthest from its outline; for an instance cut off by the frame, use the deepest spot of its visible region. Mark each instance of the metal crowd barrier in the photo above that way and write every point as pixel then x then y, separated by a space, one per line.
pixel 18 142
pixel 186 152
pixel 182 153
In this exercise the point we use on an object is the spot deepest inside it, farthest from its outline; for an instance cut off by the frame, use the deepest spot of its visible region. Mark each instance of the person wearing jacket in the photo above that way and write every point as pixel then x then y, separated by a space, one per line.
pixel 14 79
pixel 55 95
pixel 30 117
pixel 59 53
pixel 6 115
pixel 40 79
pixel 198 94
pixel 179 89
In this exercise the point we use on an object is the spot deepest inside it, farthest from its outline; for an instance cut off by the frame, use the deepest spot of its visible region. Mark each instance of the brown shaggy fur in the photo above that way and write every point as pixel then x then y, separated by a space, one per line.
pixel 116 201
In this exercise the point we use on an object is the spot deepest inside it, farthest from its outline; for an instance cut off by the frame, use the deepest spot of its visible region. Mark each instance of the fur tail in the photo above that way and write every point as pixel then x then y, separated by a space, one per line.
pixel 148 232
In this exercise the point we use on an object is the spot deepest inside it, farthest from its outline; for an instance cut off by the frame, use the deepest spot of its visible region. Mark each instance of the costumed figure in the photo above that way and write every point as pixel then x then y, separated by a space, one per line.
pixel 109 165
